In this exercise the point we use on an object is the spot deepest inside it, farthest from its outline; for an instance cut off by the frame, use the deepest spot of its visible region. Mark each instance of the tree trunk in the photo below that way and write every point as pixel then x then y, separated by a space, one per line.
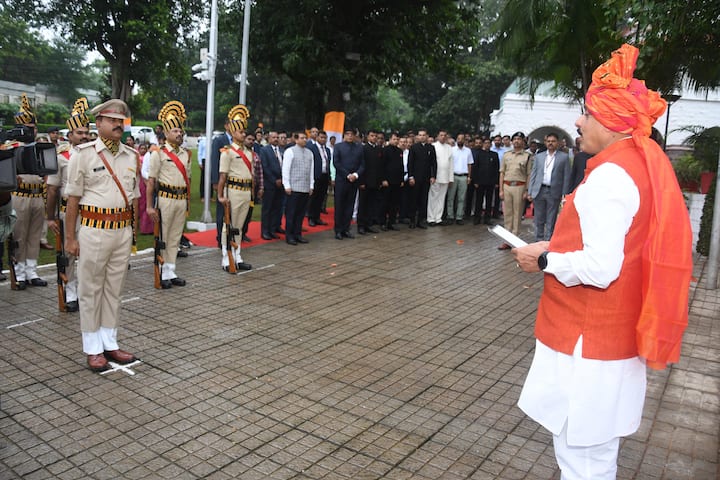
pixel 120 77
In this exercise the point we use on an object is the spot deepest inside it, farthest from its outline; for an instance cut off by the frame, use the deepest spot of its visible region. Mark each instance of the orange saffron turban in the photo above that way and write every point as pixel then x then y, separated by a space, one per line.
pixel 620 102
pixel 624 104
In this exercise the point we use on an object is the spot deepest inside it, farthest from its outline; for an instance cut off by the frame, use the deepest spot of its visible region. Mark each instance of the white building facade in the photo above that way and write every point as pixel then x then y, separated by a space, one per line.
pixel 553 113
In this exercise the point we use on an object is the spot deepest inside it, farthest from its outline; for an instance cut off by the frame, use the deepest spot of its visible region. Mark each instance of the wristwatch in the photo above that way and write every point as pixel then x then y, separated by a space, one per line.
pixel 542 261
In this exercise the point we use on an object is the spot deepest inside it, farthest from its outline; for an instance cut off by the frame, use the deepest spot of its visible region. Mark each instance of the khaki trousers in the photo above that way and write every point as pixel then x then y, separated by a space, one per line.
pixel 30 213
pixel 513 206
pixel 102 267
pixel 71 271
pixel 239 207
pixel 173 222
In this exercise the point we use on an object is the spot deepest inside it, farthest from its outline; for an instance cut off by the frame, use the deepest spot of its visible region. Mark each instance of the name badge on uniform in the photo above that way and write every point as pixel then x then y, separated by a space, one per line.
pixel 98 169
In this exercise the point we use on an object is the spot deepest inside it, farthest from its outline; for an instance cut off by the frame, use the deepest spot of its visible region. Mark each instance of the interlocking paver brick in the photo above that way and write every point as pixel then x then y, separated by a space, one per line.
pixel 404 360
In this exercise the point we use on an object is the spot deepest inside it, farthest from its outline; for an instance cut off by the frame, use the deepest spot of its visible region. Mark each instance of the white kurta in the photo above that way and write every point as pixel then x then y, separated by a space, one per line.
pixel 598 399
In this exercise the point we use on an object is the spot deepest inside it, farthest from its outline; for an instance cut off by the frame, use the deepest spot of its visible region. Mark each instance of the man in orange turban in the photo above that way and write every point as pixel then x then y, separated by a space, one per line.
pixel 617 276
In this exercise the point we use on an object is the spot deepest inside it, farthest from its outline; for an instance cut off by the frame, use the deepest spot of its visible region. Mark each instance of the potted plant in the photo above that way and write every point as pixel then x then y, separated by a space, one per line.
pixel 687 170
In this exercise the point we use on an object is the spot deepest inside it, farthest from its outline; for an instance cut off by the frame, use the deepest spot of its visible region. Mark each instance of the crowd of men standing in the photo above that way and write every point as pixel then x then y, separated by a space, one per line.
pixel 410 178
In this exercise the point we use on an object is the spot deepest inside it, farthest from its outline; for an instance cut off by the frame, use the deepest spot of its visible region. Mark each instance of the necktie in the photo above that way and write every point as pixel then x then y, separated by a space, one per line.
pixel 324 159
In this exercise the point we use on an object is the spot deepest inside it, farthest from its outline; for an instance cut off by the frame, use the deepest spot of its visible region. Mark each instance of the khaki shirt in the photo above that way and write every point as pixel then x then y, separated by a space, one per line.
pixel 516 166
pixel 233 165
pixel 89 179
pixel 164 169
pixel 59 179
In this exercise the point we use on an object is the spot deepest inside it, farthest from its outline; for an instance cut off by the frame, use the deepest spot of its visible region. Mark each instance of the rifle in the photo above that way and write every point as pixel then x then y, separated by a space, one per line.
pixel 61 262
pixel 230 242
pixel 12 244
pixel 159 246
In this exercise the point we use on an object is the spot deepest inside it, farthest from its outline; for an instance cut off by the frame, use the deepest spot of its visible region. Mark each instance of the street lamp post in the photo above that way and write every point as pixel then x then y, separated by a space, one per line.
pixel 670 98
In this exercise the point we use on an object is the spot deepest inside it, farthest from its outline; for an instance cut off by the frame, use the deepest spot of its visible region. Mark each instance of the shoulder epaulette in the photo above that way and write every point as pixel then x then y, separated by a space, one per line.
pixel 86 145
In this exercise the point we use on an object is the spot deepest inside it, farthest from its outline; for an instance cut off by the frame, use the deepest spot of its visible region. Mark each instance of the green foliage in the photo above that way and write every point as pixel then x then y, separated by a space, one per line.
pixel 27 58
pixel 7 114
pixel 53 113
pixel 564 41
pixel 706 142
pixel 703 244
pixel 687 169
pixel 138 40
pixel 329 47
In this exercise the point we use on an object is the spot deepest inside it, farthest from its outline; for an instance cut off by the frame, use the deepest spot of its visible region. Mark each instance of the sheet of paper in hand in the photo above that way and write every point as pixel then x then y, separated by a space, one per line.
pixel 507 236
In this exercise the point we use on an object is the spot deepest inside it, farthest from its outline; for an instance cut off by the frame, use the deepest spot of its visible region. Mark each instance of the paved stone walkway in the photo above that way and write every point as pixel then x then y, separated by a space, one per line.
pixel 397 356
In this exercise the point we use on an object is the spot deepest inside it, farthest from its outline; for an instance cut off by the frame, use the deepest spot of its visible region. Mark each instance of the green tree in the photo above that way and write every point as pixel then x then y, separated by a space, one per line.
pixel 28 58
pixel 139 40
pixel 329 48
pixel 565 40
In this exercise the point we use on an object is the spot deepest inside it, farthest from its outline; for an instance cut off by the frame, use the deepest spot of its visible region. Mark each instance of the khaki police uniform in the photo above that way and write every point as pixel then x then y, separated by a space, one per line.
pixel 172 192
pixel 29 205
pixel 515 172
pixel 105 237
pixel 59 180
pixel 239 185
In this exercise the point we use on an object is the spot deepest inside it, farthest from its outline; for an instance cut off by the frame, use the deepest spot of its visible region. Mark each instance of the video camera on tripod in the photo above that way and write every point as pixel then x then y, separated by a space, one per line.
pixel 22 155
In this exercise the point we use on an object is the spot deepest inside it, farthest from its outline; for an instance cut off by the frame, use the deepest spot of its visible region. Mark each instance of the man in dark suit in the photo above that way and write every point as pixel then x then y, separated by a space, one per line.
pixel 349 166
pixel 271 159
pixel 394 175
pixel 579 163
pixel 484 175
pixel 422 168
pixel 218 142
pixel 549 181
pixel 321 172
pixel 370 184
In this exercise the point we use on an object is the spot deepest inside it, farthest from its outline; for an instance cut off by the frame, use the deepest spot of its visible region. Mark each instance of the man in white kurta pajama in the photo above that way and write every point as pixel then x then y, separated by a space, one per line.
pixel 616 286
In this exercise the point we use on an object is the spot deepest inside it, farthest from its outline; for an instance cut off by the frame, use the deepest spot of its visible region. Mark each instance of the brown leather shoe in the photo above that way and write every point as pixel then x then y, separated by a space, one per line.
pixel 119 356
pixel 97 363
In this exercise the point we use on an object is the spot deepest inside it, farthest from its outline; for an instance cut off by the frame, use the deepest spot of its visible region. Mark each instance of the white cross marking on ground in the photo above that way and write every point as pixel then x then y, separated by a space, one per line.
pixel 124 368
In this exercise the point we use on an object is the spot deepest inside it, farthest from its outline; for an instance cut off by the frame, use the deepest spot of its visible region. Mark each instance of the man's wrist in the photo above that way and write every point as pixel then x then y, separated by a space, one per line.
pixel 542 261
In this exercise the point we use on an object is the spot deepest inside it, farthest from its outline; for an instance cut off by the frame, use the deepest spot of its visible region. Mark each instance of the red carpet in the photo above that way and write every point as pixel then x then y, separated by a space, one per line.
pixel 208 237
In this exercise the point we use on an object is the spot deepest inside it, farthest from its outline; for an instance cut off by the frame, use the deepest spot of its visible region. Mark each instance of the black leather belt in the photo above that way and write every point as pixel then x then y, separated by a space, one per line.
pixel 172 190
pixel 461 174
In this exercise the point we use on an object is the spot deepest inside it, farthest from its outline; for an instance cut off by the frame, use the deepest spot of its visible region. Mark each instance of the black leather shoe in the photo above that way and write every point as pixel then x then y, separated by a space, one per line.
pixel 372 230
pixel 362 231
pixel 178 282
pixel 390 226
pixel 432 224
pixel 422 225
pixel 20 285
pixel 280 230
pixel 460 222
pixel 182 254
pixel 291 241
pixel 321 222
pixel 265 236
pixel 412 225
pixel 165 284
pixel 246 239
pixel 312 223
pixel 38 282
pixel 72 306
pixel 243 266
pixel 338 236
pixel 302 240
pixel 347 234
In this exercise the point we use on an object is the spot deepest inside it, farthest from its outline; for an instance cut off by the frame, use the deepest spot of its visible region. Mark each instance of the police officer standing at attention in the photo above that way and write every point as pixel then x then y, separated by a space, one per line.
pixel 237 173
pixel 169 176
pixel 29 205
pixel 103 189
pixel 77 134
